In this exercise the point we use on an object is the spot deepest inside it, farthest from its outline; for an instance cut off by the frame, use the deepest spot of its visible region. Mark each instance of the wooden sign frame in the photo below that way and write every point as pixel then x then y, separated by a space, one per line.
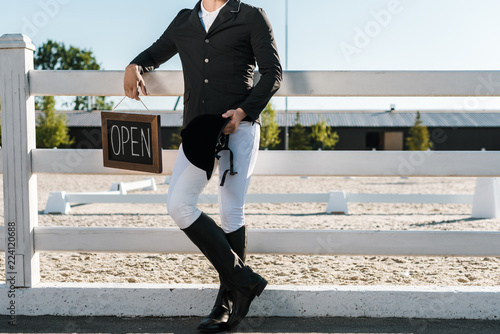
pixel 148 142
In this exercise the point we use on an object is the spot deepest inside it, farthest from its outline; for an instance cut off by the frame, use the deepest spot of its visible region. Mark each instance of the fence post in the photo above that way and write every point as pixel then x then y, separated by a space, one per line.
pixel 486 203
pixel 18 141
pixel 337 203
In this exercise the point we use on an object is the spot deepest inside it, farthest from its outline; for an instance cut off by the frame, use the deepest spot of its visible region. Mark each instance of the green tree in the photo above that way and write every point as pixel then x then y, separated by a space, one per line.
pixel 52 130
pixel 300 139
pixel 269 134
pixel 56 56
pixel 322 136
pixel 418 137
pixel 176 139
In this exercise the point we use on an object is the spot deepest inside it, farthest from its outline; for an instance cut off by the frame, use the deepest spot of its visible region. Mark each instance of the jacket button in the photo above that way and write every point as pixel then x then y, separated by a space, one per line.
pixel 206 80
pixel 206 60
pixel 207 41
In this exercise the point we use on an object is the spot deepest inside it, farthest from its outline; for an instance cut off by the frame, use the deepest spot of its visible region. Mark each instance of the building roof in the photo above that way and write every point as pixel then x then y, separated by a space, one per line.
pixel 93 118
pixel 394 119
pixel 334 119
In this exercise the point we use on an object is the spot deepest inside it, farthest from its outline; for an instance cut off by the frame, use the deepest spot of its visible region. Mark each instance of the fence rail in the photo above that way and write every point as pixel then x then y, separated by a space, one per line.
pixel 309 163
pixel 274 241
pixel 60 202
pixel 295 83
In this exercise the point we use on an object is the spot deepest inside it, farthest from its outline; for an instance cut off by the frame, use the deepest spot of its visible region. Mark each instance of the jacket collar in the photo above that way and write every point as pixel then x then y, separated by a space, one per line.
pixel 194 18
pixel 235 5
pixel 226 13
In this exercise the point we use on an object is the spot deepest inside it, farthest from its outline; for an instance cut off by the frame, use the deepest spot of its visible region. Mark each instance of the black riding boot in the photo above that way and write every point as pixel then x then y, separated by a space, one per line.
pixel 243 283
pixel 222 308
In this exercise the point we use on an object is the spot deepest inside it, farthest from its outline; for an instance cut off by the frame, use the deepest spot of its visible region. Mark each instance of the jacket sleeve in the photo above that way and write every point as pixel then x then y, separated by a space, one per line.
pixel 266 54
pixel 159 52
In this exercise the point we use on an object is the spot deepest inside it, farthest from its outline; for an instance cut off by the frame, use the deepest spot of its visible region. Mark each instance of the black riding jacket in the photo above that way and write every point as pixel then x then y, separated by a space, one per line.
pixel 219 66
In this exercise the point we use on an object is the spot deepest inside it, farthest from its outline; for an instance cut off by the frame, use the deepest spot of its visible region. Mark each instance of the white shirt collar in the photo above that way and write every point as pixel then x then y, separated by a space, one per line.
pixel 206 13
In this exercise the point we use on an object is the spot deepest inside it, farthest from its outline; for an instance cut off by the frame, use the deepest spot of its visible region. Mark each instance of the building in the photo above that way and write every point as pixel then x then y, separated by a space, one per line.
pixel 365 130
pixel 387 130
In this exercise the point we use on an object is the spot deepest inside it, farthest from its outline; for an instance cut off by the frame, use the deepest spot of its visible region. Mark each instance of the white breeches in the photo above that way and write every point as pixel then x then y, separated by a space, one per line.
pixel 188 181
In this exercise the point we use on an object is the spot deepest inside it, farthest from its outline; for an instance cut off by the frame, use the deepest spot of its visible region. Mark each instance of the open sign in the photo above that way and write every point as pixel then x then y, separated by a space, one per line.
pixel 131 141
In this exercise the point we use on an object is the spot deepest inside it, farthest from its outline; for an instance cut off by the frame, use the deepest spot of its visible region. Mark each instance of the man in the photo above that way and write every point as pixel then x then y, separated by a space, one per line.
pixel 219 43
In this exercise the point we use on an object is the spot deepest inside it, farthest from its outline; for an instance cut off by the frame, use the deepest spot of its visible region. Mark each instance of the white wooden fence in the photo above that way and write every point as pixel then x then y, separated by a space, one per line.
pixel 22 162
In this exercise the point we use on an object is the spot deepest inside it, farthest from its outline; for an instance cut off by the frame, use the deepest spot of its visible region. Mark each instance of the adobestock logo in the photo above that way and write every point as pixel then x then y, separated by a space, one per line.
pixel 373 28
pixel 48 10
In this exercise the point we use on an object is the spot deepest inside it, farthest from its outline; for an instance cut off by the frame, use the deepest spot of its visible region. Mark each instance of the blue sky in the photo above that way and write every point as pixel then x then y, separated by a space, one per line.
pixel 322 35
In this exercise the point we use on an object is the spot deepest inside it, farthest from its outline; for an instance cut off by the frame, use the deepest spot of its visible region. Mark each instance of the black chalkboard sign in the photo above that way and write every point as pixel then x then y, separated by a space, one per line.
pixel 131 141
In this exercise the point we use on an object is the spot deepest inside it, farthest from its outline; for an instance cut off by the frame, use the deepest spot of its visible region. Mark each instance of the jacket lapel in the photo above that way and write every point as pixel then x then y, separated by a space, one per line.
pixel 226 13
pixel 194 18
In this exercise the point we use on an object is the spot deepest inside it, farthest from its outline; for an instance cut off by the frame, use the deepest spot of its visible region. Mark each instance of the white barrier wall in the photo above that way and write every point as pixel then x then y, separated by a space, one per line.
pixel 163 300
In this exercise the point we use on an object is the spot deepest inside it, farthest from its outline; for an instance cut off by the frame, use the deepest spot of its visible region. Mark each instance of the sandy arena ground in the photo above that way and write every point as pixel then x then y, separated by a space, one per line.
pixel 278 269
